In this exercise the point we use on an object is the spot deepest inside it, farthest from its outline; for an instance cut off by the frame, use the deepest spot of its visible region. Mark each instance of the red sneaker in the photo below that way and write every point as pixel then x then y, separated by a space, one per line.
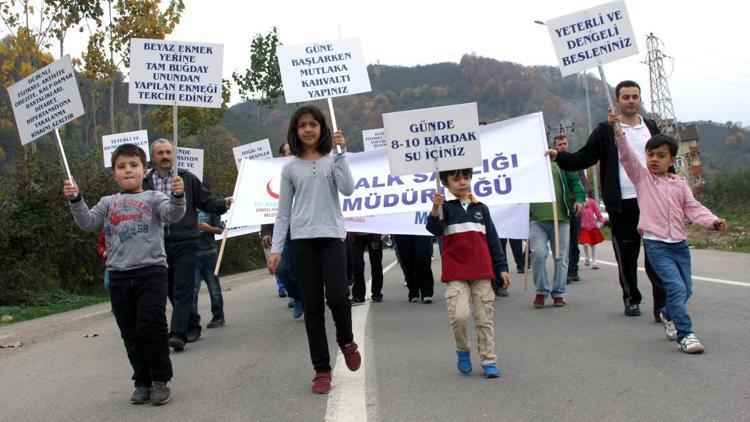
pixel 558 302
pixel 321 383
pixel 538 301
pixel 351 356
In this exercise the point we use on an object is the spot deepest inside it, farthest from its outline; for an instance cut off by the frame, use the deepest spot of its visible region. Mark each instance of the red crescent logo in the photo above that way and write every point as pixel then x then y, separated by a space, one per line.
pixel 270 192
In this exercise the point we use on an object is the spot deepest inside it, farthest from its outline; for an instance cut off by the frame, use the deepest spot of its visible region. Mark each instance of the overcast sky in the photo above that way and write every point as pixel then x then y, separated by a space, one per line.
pixel 710 73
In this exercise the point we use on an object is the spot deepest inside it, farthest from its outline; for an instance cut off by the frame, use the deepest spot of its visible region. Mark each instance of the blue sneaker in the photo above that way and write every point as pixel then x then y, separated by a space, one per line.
pixel 491 371
pixel 297 310
pixel 464 361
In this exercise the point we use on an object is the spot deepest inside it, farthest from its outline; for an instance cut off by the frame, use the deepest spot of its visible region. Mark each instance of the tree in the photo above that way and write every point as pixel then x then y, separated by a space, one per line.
pixel 128 19
pixel 67 14
pixel 191 121
pixel 263 79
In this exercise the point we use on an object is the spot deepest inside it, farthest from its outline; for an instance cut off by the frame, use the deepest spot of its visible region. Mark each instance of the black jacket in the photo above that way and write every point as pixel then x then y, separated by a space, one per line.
pixel 196 196
pixel 601 147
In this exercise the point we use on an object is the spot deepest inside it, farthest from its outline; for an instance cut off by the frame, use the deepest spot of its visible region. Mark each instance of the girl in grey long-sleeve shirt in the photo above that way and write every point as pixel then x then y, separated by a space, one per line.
pixel 309 208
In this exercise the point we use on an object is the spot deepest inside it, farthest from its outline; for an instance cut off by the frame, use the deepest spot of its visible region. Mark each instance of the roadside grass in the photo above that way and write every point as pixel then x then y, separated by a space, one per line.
pixel 735 239
pixel 59 302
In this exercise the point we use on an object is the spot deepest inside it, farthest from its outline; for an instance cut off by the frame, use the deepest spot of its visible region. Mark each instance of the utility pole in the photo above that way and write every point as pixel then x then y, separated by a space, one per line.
pixel 662 110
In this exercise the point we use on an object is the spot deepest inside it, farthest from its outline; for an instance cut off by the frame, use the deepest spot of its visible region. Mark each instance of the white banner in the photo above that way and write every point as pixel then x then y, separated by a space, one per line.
pixel 111 142
pixel 45 100
pixel 511 222
pixel 166 72
pixel 190 159
pixel 373 139
pixel 442 138
pixel 259 150
pixel 592 37
pixel 323 70
pixel 236 231
pixel 514 170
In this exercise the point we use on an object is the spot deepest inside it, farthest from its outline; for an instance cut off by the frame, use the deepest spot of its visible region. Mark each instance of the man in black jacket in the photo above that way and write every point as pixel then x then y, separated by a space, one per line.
pixel 618 192
pixel 180 240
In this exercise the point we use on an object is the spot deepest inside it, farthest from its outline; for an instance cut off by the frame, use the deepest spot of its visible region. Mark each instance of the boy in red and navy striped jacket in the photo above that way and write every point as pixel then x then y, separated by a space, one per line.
pixel 471 257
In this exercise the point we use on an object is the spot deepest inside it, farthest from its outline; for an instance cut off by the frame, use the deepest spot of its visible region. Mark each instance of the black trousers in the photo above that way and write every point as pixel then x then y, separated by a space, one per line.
pixel 415 254
pixel 574 252
pixel 139 303
pixel 516 248
pixel 375 250
pixel 181 277
pixel 320 267
pixel 626 242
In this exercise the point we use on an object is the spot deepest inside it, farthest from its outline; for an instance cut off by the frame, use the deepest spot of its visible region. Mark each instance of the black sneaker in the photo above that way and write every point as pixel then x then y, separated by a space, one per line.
pixel 177 343
pixel 193 336
pixel 633 310
pixel 574 277
pixel 159 392
pixel 141 395
pixel 501 291
pixel 357 301
pixel 216 322
pixel 657 316
pixel 377 298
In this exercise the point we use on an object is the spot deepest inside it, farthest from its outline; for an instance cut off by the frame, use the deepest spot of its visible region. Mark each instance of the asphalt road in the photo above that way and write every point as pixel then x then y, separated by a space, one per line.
pixel 584 362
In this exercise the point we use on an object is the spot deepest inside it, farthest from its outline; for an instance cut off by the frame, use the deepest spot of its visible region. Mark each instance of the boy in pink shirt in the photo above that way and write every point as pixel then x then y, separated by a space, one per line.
pixel 665 201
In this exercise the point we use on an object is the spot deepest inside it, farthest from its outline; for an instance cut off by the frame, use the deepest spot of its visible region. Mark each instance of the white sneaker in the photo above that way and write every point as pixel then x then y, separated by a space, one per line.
pixel 690 344
pixel 669 329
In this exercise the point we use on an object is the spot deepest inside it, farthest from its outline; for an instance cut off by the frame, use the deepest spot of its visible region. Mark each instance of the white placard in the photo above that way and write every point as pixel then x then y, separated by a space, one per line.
pixel 323 70
pixel 166 72
pixel 111 142
pixel 592 37
pixel 513 170
pixel 259 150
pixel 45 100
pixel 191 159
pixel 443 138
pixel 373 139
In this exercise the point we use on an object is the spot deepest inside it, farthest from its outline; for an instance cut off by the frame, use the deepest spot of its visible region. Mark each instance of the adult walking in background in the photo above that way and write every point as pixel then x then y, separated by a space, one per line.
pixel 619 193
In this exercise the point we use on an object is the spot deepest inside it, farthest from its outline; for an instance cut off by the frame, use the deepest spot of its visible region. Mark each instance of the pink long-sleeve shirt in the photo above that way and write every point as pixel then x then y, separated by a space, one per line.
pixel 590 215
pixel 664 201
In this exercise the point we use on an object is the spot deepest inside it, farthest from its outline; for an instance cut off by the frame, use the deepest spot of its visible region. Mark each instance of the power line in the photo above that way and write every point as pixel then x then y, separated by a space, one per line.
pixel 713 79
pixel 712 67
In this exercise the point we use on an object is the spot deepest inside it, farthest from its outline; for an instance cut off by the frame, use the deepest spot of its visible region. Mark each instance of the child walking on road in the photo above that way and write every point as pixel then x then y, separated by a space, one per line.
pixel 133 224
pixel 471 257
pixel 310 211
pixel 665 201
pixel 590 236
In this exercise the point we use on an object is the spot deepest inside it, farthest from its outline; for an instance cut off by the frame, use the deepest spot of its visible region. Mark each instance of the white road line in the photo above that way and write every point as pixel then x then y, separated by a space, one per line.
pixel 695 277
pixel 348 401
pixel 80 317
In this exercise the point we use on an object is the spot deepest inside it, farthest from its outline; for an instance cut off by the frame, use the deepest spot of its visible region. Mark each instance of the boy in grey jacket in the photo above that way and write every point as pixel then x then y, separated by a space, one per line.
pixel 133 224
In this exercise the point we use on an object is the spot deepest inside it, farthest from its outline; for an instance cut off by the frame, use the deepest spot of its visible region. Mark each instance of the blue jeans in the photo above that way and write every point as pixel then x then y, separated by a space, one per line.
pixel 671 262
pixel 542 234
pixel 204 269
pixel 285 271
